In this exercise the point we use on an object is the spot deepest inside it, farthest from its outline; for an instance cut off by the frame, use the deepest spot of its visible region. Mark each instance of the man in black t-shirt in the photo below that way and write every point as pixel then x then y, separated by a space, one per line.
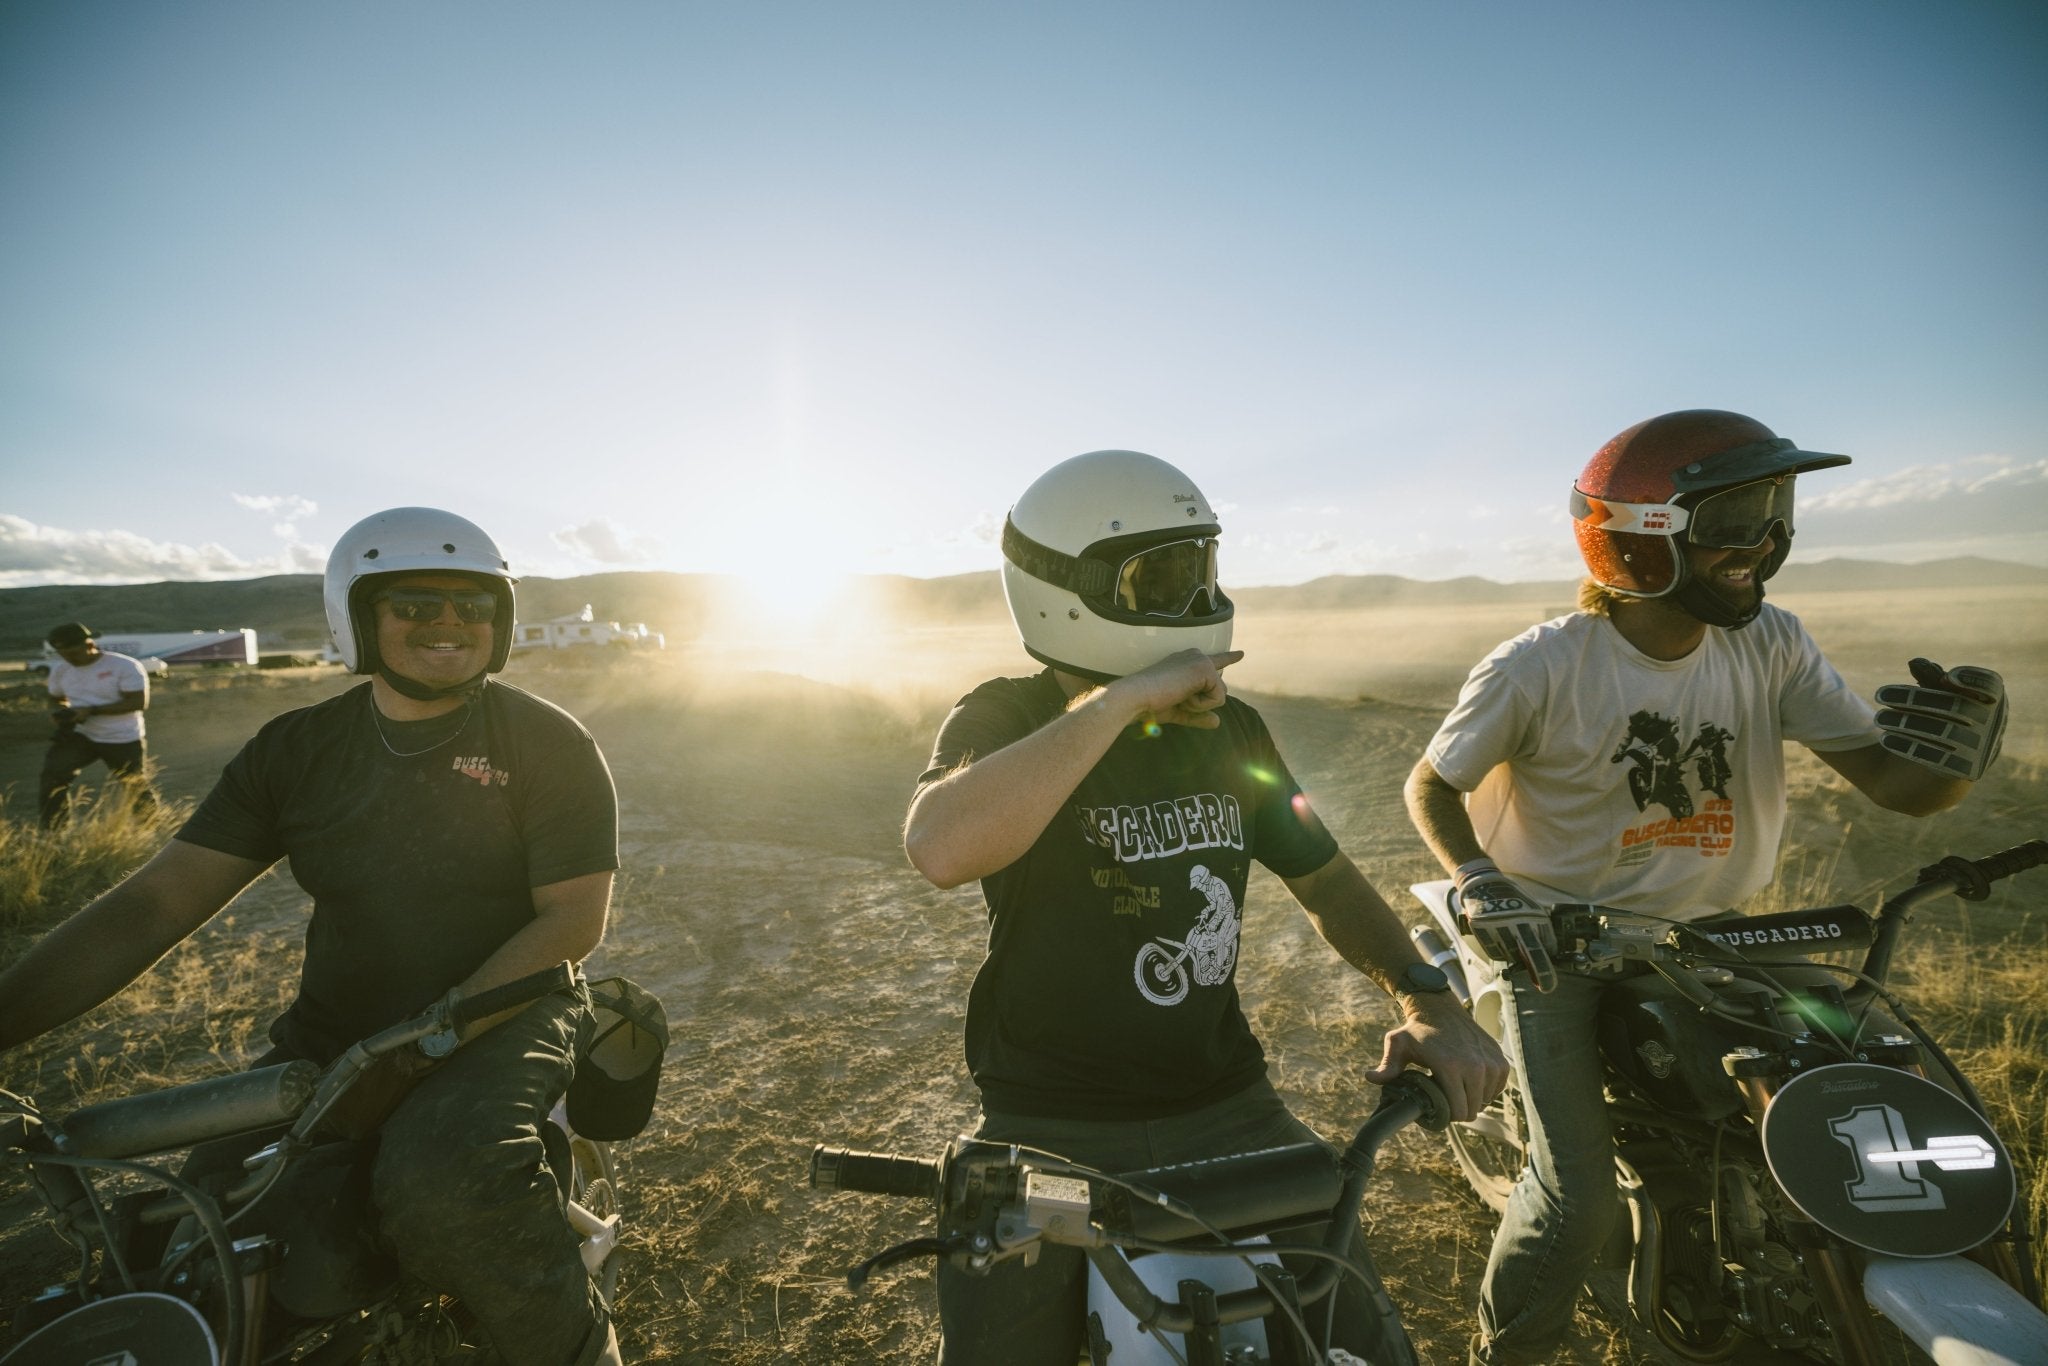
pixel 453 832
pixel 1111 807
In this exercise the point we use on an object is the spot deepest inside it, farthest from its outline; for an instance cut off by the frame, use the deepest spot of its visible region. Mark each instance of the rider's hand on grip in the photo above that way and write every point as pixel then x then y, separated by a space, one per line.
pixel 1950 720
pixel 1508 923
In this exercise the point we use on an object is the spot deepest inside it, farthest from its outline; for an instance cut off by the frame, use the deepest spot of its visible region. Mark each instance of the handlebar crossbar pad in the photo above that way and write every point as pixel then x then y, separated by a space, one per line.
pixel 1790 934
pixel 842 1169
pixel 533 986
pixel 1243 1194
pixel 163 1121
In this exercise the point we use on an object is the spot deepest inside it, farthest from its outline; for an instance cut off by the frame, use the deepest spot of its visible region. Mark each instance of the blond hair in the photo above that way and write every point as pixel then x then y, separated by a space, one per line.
pixel 1597 599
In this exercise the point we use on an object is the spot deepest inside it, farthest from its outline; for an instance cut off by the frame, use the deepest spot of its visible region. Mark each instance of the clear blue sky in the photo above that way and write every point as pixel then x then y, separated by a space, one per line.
pixel 795 288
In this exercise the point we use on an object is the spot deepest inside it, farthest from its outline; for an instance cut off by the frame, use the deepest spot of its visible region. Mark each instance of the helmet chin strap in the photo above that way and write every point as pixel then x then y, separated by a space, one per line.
pixel 427 692
pixel 1704 604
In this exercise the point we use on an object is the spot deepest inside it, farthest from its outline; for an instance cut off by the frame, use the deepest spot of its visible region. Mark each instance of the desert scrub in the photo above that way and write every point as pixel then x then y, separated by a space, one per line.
pixel 45 875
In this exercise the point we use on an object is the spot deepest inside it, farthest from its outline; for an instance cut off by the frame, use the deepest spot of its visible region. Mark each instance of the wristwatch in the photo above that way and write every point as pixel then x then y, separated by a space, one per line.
pixel 1424 979
pixel 439 1044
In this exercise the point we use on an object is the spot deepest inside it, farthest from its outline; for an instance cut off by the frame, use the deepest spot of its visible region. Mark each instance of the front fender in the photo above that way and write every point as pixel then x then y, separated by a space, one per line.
pixel 1958 1312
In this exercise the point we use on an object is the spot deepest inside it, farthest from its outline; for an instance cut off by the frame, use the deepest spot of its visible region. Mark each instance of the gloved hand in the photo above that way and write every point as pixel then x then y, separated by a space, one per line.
pixel 1508 924
pixel 1950 720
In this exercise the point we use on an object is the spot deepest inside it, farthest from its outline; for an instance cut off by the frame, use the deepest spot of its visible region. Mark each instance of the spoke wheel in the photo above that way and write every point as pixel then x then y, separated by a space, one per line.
pixel 1492 1149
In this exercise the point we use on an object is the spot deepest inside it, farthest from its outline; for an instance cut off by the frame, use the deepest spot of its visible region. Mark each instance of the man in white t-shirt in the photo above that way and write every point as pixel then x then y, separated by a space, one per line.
pixel 100 698
pixel 1631 754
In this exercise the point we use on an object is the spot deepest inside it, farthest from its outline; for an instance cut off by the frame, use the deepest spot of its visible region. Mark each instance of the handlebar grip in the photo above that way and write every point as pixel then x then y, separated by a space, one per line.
pixel 1972 878
pixel 843 1169
pixel 2017 859
pixel 533 986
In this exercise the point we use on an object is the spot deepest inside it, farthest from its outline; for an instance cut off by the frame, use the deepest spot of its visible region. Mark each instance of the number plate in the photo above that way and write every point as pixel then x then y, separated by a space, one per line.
pixel 1888 1161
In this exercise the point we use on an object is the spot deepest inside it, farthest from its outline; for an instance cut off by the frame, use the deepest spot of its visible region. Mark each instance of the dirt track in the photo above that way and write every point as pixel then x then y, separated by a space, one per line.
pixel 815 986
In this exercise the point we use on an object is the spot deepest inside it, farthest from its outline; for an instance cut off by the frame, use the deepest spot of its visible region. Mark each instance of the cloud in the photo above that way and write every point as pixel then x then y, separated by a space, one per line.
pixel 31 554
pixel 287 506
pixel 986 529
pixel 1986 505
pixel 599 541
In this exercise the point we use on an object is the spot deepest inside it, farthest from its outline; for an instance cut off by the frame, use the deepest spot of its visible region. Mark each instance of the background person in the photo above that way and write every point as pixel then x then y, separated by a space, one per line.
pixel 100 699
pixel 1632 755
pixel 1112 806
pixel 453 832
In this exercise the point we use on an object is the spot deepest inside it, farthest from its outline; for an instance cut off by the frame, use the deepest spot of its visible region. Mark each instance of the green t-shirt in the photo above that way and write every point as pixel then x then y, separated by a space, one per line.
pixel 1110 989
pixel 420 863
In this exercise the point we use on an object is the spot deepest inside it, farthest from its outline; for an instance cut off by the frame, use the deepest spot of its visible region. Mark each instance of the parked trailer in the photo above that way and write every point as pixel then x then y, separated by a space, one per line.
pixel 582 628
pixel 232 646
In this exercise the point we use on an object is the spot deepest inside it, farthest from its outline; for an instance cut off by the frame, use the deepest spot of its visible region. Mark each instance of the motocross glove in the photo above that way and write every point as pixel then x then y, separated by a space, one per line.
pixel 1950 720
pixel 1508 923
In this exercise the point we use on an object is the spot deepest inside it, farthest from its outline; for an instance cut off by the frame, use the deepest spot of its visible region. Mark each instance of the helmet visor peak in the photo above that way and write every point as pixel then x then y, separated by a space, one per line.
pixel 1742 517
pixel 1169 580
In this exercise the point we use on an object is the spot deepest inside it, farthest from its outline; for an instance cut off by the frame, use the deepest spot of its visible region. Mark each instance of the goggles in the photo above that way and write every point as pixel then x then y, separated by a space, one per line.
pixel 473 605
pixel 1739 518
pixel 1167 580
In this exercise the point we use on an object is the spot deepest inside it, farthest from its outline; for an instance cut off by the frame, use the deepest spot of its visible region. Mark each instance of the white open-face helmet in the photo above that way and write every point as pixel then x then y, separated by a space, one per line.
pixel 408 541
pixel 1109 565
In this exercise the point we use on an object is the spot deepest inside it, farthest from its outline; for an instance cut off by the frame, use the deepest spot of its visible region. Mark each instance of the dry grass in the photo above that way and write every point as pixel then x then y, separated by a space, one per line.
pixel 816 986
pixel 47 874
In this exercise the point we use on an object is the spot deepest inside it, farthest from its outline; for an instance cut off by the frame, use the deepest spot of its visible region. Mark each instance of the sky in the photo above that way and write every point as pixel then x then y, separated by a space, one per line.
pixel 788 290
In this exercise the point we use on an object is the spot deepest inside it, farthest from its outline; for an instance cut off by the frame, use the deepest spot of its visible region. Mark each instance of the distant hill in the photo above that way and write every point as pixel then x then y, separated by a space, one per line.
pixel 286 612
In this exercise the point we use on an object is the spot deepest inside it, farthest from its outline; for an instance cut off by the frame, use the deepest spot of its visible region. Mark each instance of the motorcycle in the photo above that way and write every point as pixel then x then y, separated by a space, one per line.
pixel 163 1275
pixel 1181 1268
pixel 1789 1160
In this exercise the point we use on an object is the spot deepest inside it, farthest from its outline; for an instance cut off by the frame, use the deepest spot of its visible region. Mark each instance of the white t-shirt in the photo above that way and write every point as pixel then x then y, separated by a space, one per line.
pixel 102 681
pixel 1597 773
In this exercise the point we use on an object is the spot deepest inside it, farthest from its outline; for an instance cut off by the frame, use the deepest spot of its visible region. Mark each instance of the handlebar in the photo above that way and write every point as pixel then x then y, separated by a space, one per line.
pixel 469 1009
pixel 996 1201
pixel 842 1169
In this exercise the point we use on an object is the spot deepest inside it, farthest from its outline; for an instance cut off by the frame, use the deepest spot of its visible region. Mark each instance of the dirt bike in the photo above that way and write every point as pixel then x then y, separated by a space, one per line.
pixel 163 1275
pixel 1786 1163
pixel 1180 1266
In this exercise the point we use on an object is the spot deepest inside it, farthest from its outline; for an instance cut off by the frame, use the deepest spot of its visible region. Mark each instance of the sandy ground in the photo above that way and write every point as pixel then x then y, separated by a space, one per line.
pixel 815 984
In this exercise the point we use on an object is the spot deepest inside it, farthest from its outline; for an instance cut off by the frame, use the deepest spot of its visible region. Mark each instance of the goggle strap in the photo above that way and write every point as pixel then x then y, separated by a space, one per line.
pixel 1642 519
pixel 1089 578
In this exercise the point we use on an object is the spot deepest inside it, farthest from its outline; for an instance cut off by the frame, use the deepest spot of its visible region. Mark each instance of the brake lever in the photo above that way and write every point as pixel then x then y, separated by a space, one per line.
pixel 903 1252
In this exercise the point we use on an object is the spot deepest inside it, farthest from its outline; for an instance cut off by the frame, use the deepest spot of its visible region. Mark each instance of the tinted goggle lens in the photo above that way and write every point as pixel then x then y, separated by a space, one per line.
pixel 1740 518
pixel 474 606
pixel 1169 580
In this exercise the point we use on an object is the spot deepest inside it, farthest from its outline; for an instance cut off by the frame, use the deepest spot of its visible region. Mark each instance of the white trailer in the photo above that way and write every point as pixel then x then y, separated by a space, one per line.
pixel 231 646
pixel 582 628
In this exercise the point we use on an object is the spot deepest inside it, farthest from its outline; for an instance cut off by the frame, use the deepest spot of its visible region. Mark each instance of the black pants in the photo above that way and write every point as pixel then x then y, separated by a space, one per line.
pixel 71 754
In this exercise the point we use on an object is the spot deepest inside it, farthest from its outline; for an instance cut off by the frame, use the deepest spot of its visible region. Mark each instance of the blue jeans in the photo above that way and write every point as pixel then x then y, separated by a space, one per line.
pixel 1564 1208
pixel 1036 1316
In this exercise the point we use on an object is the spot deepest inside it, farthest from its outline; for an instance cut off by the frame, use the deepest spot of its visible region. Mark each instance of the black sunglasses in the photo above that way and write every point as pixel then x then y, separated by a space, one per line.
pixel 473 605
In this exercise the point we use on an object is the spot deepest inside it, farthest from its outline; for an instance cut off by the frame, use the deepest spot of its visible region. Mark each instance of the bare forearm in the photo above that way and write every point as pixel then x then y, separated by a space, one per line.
pixel 567 927
pixel 1895 783
pixel 129 701
pixel 83 962
pixel 1438 811
pixel 1355 920
pixel 987 815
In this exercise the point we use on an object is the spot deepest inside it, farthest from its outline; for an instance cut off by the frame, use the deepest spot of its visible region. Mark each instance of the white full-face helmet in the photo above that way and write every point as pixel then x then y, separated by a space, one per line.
pixel 1109 565
pixel 408 541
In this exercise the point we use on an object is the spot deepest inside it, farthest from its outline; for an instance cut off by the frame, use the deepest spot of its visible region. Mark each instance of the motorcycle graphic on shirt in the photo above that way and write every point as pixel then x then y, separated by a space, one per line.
pixel 1165 967
pixel 1657 762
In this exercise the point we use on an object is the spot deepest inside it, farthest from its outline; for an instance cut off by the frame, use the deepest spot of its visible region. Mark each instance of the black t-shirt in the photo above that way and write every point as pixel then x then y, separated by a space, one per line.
pixel 420 864
pixel 1110 989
